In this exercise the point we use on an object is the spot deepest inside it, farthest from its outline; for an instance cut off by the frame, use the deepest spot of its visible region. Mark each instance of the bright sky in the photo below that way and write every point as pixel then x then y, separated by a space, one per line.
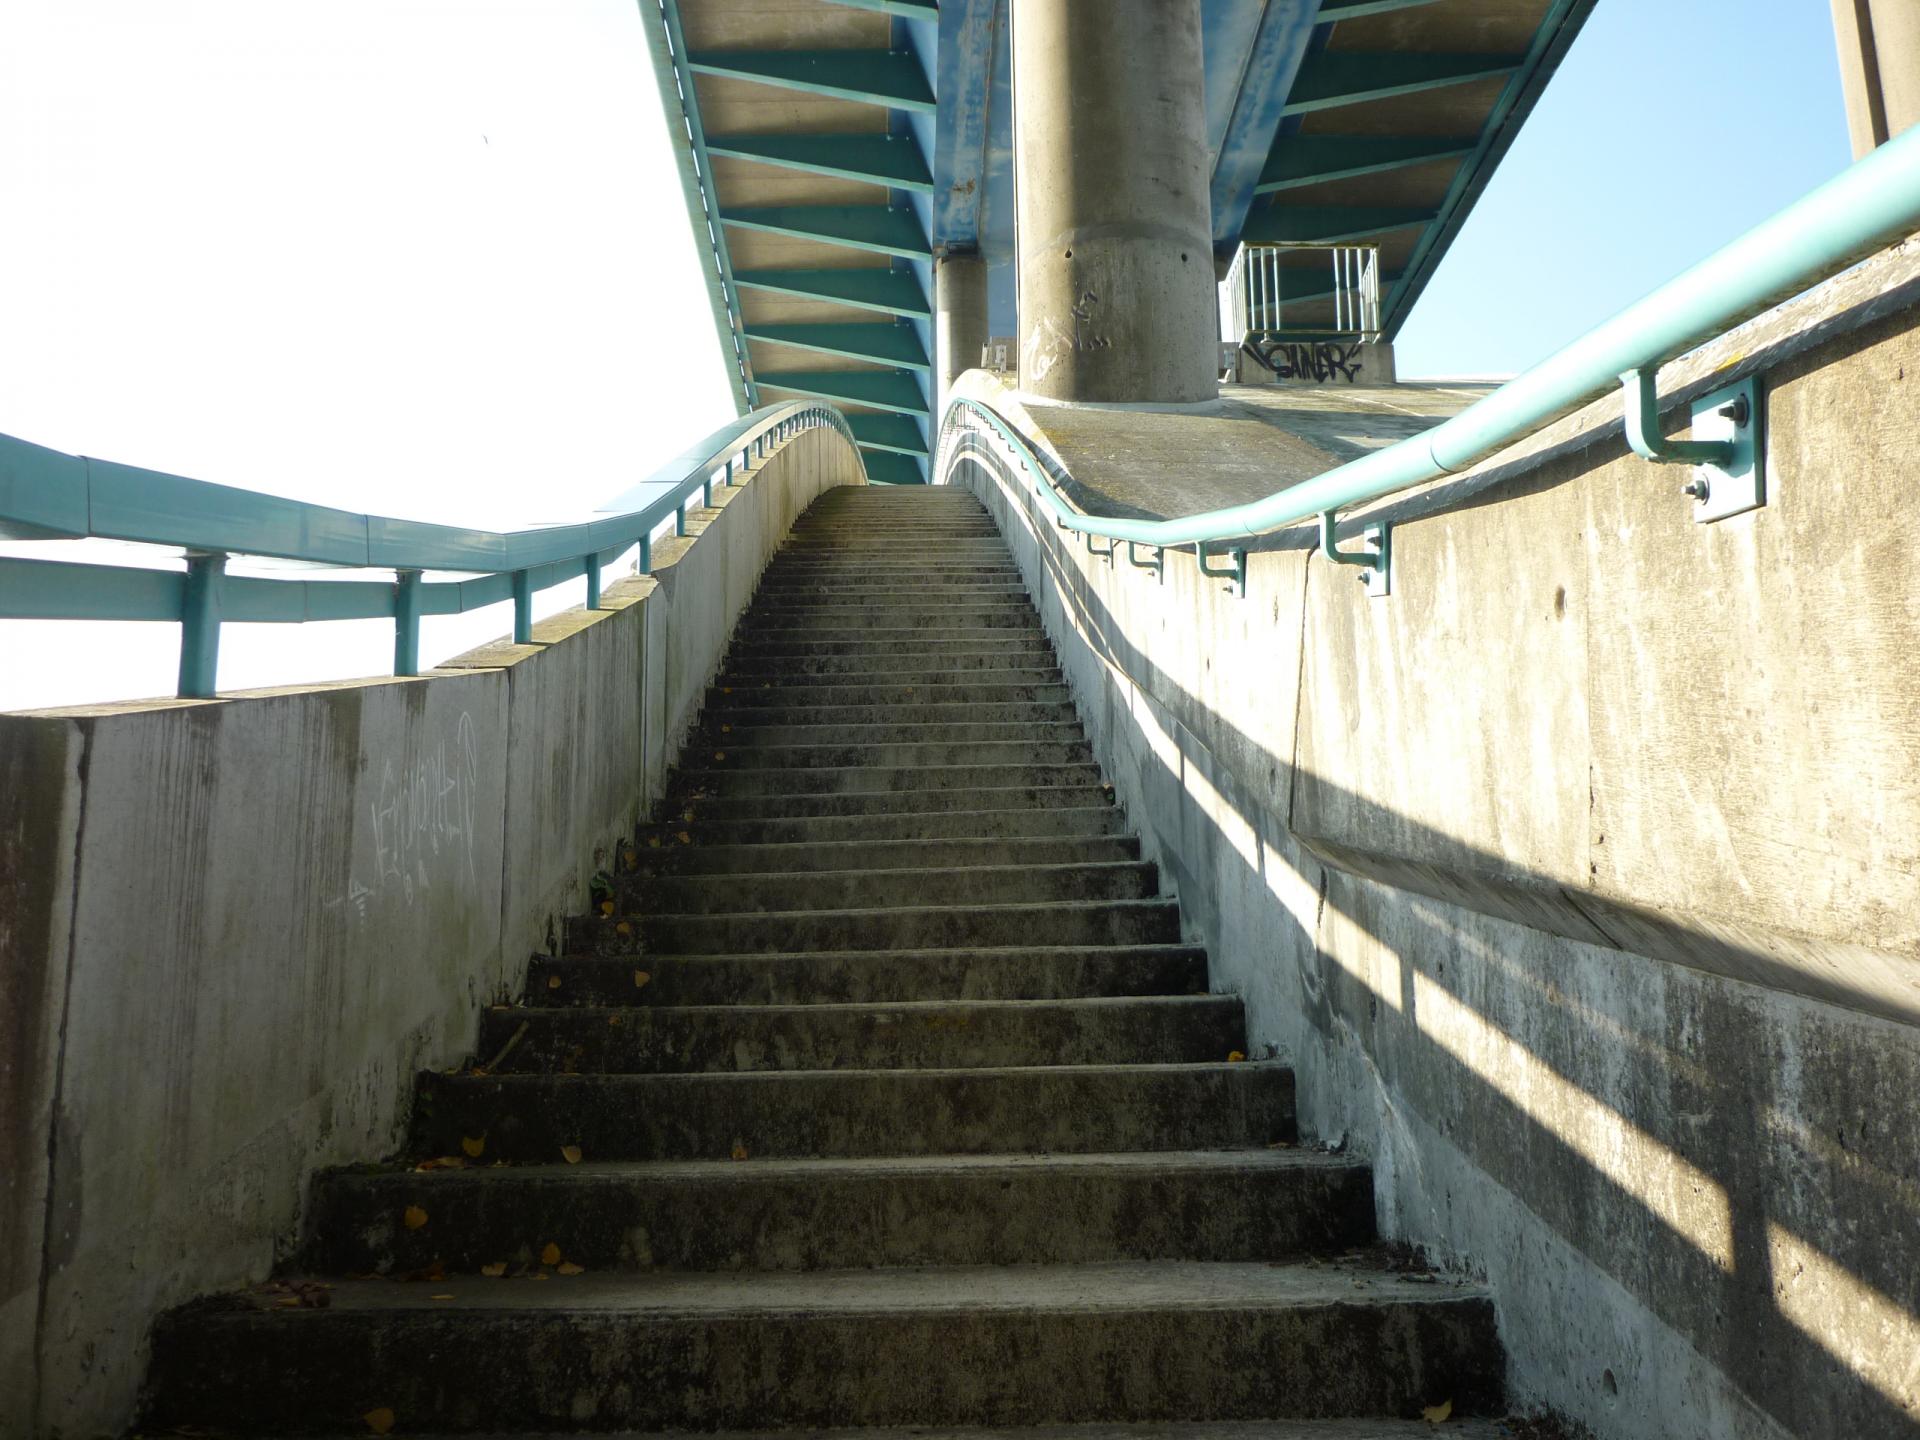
pixel 429 257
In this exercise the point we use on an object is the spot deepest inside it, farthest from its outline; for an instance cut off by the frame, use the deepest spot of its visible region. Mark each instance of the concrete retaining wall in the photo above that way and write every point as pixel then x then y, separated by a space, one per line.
pixel 231 931
pixel 1581 877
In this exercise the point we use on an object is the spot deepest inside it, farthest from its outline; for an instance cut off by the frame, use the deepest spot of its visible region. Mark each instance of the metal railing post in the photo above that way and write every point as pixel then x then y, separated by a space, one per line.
pixel 523 607
pixel 592 567
pixel 200 627
pixel 406 622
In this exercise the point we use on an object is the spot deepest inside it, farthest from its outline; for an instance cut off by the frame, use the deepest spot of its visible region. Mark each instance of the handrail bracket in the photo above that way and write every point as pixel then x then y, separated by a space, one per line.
pixel 1157 564
pixel 1727 451
pixel 1374 560
pixel 1237 572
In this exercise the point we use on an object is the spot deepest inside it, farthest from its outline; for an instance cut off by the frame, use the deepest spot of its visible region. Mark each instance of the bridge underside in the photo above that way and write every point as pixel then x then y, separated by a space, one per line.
pixel 834 150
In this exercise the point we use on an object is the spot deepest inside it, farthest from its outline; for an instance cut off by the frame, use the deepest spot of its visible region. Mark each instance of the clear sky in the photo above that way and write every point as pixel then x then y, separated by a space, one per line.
pixel 429 257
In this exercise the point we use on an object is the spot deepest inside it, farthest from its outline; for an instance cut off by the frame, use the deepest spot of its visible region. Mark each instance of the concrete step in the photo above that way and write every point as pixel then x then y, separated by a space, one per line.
pixel 873 803
pixel 1056 1109
pixel 987 689
pixel 1076 812
pixel 926 1034
pixel 744 751
pixel 869 855
pixel 1031 1344
pixel 906 569
pixel 752 737
pixel 1055 922
pixel 730 776
pixel 868 976
pixel 885 889
pixel 842 718
pixel 783 596
pixel 901 681
pixel 999 617
pixel 847 1214
pixel 751 665
pixel 1366 1429
pixel 939 641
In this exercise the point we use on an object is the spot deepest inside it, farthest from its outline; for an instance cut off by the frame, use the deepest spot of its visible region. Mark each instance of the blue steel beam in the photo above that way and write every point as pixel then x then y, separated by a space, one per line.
pixel 899 434
pixel 882 344
pixel 878 229
pixel 885 468
pixel 1309 159
pixel 905 9
pixel 892 160
pixel 1334 78
pixel 1332 12
pixel 1263 78
pixel 892 78
pixel 1331 224
pixel 892 292
pixel 891 390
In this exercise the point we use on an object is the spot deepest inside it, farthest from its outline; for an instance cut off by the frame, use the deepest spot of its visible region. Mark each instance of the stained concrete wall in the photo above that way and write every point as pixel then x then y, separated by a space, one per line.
pixel 1579 877
pixel 231 931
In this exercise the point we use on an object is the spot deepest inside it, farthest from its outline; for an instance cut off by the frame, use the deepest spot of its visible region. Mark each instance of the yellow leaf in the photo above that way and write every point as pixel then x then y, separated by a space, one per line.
pixel 739 1150
pixel 684 838
pixel 570 1153
pixel 550 1255
pixel 623 928
pixel 472 1146
pixel 606 907
pixel 1234 1057
pixel 653 841
pixel 726 729
pixel 687 815
pixel 1436 1414
pixel 495 1270
pixel 415 1217
pixel 553 982
pixel 440 1297
pixel 569 1268
pixel 379 1421
pixel 726 689
pixel 640 977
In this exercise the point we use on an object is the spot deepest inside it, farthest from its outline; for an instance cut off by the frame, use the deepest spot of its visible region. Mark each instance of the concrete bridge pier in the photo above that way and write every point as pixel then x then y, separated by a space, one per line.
pixel 1115 250
pixel 960 300
pixel 1879 45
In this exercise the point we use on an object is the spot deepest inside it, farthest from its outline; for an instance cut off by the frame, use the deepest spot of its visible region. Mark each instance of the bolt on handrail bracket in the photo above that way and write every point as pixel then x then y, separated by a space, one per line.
pixel 1643 429
pixel 1106 554
pixel 1237 574
pixel 1157 564
pixel 1375 562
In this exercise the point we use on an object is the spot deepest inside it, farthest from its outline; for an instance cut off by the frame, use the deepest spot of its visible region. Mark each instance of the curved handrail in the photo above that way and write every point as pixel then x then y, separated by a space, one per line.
pixel 49 495
pixel 1868 205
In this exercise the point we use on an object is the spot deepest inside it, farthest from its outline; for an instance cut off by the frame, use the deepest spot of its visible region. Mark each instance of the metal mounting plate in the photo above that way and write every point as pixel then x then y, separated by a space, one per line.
pixel 1731 414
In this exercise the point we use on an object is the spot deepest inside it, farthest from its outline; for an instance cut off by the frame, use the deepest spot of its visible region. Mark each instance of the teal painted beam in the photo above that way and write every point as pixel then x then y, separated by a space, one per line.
pixel 875 228
pixel 882 344
pixel 1332 12
pixel 885 468
pixel 1309 159
pixel 893 160
pixel 1351 77
pixel 1331 224
pixel 892 78
pixel 906 9
pixel 897 433
pixel 893 390
pixel 892 292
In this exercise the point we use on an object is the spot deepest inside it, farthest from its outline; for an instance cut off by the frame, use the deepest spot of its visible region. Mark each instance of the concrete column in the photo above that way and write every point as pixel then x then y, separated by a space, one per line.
pixel 1879 45
pixel 960 302
pixel 1115 225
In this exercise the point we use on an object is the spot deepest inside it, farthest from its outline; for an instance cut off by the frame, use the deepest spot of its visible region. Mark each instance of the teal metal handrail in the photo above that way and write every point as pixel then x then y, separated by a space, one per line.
pixel 1867 206
pixel 48 495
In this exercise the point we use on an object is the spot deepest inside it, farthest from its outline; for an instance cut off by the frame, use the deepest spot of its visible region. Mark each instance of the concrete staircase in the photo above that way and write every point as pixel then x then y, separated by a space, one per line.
pixel 883 1093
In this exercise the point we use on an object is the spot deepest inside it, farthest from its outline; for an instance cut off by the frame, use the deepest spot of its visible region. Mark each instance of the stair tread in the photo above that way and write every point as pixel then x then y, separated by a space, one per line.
pixel 906 1008
pixel 1112 1287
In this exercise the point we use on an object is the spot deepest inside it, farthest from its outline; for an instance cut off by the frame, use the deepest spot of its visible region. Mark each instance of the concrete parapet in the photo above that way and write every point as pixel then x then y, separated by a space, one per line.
pixel 231 931
pixel 1578 878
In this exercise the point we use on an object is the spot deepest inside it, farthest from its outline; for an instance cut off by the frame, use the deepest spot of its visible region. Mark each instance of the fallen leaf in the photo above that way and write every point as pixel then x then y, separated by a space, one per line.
pixel 550 1255
pixel 719 754
pixel 726 689
pixel 473 1146
pixel 653 841
pixel 623 928
pixel 739 1150
pixel 641 977
pixel 288 1302
pixel 1436 1414
pixel 684 838
pixel 443 1295
pixel 495 1270
pixel 570 1153
pixel 553 982
pixel 726 729
pixel 379 1421
pixel 543 1276
pixel 567 1267
pixel 687 815
pixel 1234 1057
pixel 616 1019
pixel 606 907
pixel 415 1217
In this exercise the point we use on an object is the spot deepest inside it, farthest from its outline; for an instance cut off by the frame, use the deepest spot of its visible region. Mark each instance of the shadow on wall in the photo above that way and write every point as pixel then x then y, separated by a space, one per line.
pixel 1738 1161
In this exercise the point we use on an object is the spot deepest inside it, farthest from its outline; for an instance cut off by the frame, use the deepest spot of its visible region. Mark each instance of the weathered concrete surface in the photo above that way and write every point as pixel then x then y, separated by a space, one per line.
pixel 231 931
pixel 1879 46
pixel 1117 298
pixel 960 324
pixel 1579 878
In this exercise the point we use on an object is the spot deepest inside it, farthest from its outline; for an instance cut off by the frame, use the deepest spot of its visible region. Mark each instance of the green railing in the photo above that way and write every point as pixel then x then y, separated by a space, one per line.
pixel 48 495
pixel 1866 207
